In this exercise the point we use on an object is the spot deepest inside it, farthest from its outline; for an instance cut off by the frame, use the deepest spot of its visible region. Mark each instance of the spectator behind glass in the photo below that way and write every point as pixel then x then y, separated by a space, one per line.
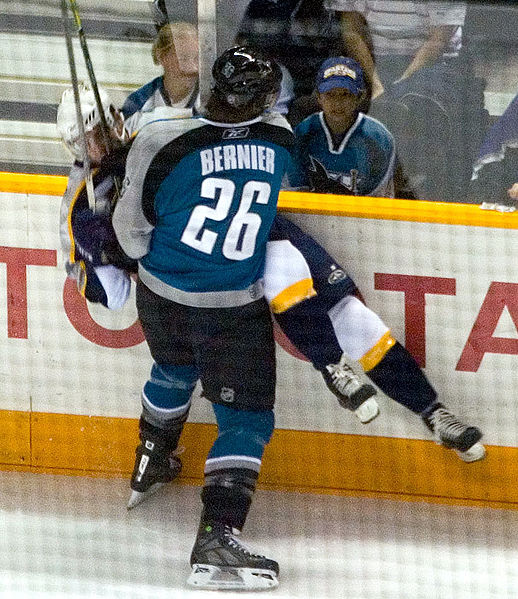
pixel 405 36
pixel 424 88
pixel 495 171
pixel 299 34
pixel 175 49
pixel 340 149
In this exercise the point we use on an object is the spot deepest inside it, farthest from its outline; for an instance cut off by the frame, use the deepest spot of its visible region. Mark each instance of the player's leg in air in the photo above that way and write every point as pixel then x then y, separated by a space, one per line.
pixel 290 289
pixel 327 320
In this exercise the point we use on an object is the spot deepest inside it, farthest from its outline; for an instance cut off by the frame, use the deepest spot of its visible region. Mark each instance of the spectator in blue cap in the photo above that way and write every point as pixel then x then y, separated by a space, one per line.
pixel 341 149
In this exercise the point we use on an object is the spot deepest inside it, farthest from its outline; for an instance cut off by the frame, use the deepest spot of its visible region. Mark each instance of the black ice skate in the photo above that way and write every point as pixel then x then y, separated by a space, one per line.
pixel 351 392
pixel 155 466
pixel 220 562
pixel 453 434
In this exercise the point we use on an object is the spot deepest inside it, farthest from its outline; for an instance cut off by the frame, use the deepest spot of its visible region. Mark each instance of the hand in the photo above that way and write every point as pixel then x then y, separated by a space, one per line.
pixel 377 89
pixel 93 234
pixel 513 192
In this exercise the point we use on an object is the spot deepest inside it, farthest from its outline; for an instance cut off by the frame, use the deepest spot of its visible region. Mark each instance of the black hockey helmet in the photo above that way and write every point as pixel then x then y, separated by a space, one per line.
pixel 244 76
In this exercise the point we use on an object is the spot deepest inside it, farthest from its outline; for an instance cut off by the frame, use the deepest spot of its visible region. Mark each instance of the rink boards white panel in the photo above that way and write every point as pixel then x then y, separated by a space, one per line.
pixel 49 366
pixel 71 376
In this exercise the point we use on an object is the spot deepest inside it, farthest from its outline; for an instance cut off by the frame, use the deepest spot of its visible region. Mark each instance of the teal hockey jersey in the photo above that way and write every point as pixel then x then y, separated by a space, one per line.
pixel 362 163
pixel 197 205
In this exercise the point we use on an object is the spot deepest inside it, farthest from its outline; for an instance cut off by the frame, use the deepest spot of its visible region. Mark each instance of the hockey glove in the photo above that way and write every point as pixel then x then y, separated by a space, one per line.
pixel 93 234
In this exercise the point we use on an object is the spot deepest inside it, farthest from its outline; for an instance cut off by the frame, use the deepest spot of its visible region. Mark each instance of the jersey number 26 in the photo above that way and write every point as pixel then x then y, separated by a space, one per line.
pixel 240 237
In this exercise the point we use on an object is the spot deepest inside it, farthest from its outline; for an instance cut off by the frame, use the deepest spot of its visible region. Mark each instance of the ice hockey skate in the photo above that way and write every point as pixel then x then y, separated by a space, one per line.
pixel 221 562
pixel 154 468
pixel 453 434
pixel 352 393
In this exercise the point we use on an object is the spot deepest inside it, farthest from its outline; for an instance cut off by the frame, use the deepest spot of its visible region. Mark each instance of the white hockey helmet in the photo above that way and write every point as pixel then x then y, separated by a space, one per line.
pixel 67 124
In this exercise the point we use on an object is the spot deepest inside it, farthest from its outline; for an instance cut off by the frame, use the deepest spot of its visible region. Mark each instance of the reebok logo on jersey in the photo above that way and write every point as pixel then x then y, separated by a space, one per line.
pixel 237 133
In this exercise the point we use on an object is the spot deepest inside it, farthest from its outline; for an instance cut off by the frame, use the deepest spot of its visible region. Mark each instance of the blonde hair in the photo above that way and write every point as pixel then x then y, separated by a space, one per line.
pixel 165 38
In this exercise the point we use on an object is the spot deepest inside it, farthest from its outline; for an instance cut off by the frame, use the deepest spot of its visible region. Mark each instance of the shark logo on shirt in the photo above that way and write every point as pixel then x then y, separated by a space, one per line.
pixel 324 181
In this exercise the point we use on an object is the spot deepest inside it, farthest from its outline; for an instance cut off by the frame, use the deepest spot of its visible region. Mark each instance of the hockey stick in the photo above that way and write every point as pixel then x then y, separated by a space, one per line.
pixel 79 115
pixel 105 130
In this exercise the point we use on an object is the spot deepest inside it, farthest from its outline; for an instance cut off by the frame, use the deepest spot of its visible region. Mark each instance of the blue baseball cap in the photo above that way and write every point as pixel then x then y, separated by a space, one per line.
pixel 340 71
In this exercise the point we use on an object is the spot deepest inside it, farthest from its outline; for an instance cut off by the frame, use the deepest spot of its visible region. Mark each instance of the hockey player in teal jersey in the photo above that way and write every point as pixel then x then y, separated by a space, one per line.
pixel 197 205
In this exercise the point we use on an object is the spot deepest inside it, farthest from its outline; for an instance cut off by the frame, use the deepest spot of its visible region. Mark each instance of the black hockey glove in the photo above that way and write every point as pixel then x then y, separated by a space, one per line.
pixel 93 235
pixel 97 243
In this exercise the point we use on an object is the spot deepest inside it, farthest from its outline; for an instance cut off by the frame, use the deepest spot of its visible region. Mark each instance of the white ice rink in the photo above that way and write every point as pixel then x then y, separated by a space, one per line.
pixel 73 537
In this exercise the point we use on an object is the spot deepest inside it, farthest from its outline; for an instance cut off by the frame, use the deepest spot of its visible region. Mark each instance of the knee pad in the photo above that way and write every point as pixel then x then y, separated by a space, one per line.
pixel 167 394
pixel 336 286
pixel 242 437
pixel 287 278
pixel 361 333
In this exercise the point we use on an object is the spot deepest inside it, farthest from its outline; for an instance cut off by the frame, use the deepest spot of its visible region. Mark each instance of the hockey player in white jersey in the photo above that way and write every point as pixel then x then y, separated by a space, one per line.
pixel 93 258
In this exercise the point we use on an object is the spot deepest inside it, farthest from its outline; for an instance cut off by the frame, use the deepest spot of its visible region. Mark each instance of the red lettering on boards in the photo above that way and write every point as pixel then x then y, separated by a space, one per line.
pixel 76 309
pixel 481 340
pixel 415 289
pixel 16 261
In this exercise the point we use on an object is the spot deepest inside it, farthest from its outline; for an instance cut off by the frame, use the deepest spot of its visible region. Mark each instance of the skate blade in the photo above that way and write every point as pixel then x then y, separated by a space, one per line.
pixel 368 410
pixel 136 498
pixel 205 576
pixel 473 454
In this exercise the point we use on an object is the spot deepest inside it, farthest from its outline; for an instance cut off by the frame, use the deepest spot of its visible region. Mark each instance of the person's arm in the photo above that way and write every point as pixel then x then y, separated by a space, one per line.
pixel 297 177
pixel 89 235
pixel 133 218
pixel 431 49
pixel 356 41
pixel 131 226
pixel 385 155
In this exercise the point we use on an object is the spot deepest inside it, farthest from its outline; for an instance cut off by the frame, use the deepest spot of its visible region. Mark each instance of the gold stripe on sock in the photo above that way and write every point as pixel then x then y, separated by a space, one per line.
pixel 374 356
pixel 292 295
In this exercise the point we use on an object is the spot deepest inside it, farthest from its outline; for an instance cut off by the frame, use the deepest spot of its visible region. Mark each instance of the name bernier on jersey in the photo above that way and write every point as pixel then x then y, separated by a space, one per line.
pixel 237 156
